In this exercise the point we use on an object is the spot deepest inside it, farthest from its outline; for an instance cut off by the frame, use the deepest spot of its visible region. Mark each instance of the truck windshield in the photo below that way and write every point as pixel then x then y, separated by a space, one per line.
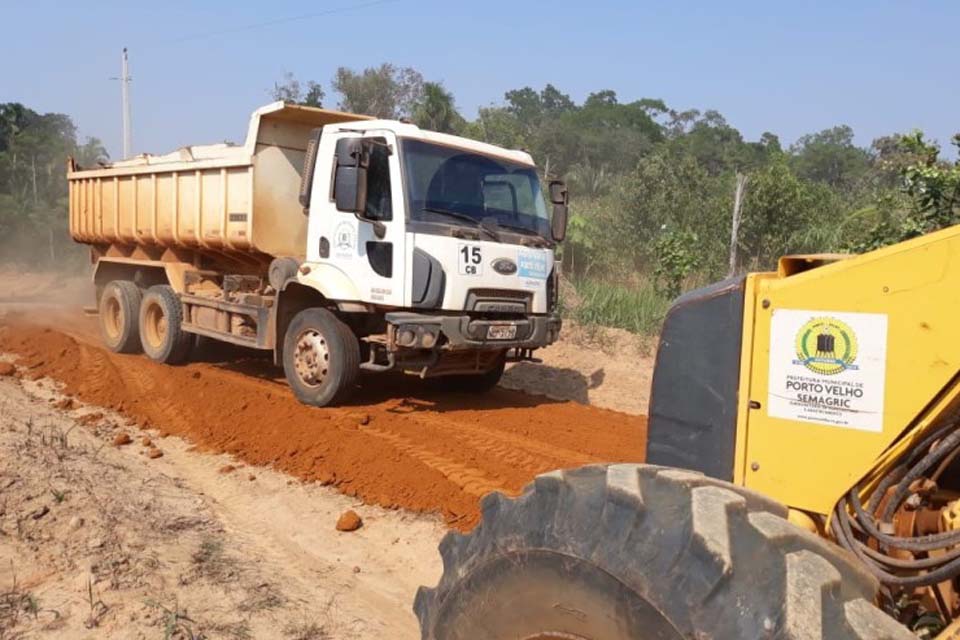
pixel 454 186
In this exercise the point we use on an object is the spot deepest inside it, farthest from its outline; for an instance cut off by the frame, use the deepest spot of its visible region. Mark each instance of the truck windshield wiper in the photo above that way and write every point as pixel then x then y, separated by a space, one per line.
pixel 524 230
pixel 532 239
pixel 466 218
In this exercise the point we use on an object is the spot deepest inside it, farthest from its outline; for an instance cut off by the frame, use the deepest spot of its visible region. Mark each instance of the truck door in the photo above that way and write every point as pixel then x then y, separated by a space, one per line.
pixel 373 264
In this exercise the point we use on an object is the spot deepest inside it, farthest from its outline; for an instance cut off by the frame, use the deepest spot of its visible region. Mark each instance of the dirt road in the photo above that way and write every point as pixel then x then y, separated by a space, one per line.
pixel 105 541
pixel 399 445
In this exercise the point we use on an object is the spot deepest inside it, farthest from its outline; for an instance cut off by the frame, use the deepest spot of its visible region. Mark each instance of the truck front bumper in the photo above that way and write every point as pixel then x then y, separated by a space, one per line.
pixel 455 332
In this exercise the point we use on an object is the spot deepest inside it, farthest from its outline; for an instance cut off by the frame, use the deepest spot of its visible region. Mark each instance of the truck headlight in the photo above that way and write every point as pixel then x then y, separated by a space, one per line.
pixel 407 337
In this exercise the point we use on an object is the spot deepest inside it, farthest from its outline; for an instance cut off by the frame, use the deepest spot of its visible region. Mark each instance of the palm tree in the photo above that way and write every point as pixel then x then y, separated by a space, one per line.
pixel 435 110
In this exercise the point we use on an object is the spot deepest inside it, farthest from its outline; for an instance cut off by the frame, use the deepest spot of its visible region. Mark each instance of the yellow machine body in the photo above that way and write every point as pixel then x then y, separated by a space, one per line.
pixel 893 316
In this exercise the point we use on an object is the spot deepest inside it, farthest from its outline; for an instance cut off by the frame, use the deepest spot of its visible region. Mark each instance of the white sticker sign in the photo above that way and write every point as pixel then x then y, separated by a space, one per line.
pixel 828 368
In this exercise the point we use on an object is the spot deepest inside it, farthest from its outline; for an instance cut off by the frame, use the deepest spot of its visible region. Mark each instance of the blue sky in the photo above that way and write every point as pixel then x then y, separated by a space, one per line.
pixel 786 67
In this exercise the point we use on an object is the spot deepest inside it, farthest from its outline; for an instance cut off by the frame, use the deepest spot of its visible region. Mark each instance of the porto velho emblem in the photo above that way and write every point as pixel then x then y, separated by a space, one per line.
pixel 826 346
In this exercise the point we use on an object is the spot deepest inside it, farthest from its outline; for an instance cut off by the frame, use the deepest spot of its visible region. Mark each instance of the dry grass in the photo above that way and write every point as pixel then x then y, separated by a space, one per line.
pixel 16 605
pixel 211 561
pixel 306 631
pixel 98 607
pixel 175 623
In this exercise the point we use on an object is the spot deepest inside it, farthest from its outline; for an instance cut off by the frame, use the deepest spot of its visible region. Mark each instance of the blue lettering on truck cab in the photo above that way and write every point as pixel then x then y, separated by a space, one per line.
pixel 532 264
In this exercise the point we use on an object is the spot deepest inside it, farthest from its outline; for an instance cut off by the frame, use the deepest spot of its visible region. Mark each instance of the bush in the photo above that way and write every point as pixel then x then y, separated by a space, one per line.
pixel 639 308
pixel 677 257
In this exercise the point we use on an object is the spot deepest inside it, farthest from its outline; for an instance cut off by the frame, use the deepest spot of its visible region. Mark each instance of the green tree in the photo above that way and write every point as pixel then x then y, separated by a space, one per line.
pixel 831 157
pixel 435 110
pixel 382 92
pixel 496 125
pixel 677 256
pixel 610 133
pixel 717 146
pixel 783 214
pixel 670 191
pixel 33 186
pixel 531 108
pixel 91 153
pixel 930 188
pixel 290 90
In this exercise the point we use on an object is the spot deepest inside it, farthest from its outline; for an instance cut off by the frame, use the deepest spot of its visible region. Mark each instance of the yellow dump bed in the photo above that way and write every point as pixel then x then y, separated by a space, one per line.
pixel 218 199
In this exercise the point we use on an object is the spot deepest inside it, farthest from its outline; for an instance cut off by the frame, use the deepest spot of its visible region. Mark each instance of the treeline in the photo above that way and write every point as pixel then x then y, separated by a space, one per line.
pixel 33 184
pixel 653 186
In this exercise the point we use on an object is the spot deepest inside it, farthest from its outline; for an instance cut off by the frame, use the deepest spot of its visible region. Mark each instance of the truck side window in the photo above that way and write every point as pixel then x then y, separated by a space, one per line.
pixel 379 204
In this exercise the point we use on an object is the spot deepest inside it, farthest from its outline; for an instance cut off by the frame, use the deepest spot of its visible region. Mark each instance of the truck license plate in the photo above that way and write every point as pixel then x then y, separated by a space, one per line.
pixel 502 332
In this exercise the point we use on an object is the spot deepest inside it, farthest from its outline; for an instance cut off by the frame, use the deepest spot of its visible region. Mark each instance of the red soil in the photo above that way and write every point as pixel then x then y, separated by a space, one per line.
pixel 397 446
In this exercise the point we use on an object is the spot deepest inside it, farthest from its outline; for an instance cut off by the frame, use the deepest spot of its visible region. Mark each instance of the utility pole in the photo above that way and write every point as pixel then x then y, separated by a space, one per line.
pixel 742 180
pixel 125 102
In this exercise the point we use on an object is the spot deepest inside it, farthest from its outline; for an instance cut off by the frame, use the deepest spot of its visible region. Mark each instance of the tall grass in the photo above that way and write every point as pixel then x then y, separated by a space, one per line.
pixel 636 308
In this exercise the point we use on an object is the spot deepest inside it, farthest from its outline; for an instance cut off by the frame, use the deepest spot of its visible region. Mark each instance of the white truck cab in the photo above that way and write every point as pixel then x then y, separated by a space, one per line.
pixel 422 252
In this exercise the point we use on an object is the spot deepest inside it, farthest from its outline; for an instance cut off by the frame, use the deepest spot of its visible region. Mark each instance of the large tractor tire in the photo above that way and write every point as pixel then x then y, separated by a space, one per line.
pixel 161 326
pixel 646 553
pixel 119 312
pixel 321 358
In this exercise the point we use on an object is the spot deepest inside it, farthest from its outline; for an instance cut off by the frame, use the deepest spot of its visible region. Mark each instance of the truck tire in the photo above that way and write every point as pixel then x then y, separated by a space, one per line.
pixel 636 551
pixel 161 326
pixel 475 383
pixel 119 313
pixel 321 358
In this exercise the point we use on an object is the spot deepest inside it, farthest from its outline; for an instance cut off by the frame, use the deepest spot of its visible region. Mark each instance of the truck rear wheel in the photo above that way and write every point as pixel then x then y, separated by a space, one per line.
pixel 119 312
pixel 321 358
pixel 161 326
pixel 641 552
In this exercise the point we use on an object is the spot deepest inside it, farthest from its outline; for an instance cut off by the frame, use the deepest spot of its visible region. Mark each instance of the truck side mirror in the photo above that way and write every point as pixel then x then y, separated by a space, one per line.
pixel 560 198
pixel 350 179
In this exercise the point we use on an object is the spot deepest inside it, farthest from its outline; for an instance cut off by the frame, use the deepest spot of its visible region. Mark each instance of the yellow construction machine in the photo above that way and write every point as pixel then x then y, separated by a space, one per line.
pixel 802 478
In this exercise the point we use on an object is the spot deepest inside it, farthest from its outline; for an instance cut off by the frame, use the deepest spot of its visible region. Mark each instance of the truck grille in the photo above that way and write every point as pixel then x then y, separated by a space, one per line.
pixel 508 301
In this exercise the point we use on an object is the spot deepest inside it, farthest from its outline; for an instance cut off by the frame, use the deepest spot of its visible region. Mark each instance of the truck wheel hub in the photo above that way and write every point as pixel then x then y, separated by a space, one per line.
pixel 113 318
pixel 155 328
pixel 312 358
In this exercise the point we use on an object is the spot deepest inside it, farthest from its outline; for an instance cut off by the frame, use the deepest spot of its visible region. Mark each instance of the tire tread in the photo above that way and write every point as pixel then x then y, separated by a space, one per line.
pixel 179 343
pixel 629 520
pixel 130 297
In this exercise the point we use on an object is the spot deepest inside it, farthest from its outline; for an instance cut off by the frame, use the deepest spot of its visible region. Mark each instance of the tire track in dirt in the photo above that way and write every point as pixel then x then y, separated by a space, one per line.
pixel 399 445
pixel 457 442
pixel 505 445
pixel 470 479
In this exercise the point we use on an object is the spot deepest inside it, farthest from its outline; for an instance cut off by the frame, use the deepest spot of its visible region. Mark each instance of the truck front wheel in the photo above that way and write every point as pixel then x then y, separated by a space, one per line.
pixel 161 331
pixel 321 358
pixel 629 551
pixel 119 309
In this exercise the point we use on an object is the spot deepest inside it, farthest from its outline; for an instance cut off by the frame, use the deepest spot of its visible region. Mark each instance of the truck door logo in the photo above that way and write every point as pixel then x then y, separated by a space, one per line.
pixel 470 260
pixel 344 240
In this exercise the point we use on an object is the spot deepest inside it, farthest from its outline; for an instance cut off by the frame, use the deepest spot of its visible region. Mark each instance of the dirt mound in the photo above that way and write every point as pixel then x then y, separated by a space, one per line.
pixel 404 448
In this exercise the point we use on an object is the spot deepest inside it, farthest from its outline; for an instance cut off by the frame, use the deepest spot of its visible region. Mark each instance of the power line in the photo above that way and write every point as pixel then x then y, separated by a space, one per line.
pixel 271 23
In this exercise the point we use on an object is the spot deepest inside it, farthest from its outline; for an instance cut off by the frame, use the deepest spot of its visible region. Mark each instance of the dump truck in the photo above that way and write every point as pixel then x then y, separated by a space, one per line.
pixel 338 242
pixel 802 477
